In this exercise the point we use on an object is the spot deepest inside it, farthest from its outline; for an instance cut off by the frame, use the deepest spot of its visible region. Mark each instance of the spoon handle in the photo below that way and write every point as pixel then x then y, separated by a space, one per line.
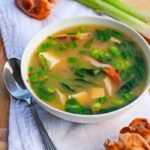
pixel 48 143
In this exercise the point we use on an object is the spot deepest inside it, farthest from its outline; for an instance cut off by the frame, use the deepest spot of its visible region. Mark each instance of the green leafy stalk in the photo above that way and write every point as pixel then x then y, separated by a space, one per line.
pixel 145 16
pixel 105 7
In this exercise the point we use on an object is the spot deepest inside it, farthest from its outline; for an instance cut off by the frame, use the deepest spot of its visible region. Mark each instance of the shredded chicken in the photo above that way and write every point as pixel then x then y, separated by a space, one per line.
pixel 39 9
pixel 136 136
pixel 108 69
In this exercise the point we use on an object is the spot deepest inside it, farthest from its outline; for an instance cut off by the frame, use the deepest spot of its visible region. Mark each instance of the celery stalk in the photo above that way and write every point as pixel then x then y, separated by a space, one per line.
pixel 104 7
pixel 145 16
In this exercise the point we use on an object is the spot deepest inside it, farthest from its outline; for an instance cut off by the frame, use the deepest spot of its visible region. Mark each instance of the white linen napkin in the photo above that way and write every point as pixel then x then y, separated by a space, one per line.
pixel 17 29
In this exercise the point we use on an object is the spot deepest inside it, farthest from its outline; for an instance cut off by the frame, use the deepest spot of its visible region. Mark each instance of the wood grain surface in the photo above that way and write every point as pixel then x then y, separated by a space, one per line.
pixel 4 102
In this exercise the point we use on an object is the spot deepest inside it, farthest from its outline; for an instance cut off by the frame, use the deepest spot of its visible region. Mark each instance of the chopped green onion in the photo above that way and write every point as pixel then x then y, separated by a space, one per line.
pixel 31 69
pixel 96 107
pixel 128 96
pixel 114 50
pixel 103 35
pixel 72 59
pixel 73 44
pixel 119 102
pixel 51 90
pixel 96 53
pixel 82 52
pixel 126 54
pixel 102 99
pixel 46 45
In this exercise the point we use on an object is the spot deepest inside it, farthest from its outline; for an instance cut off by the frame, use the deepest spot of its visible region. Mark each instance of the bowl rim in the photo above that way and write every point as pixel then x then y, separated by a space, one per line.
pixel 46 106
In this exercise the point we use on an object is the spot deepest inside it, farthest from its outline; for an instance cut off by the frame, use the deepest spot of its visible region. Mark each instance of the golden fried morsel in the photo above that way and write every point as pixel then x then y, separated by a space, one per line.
pixel 39 9
pixel 136 136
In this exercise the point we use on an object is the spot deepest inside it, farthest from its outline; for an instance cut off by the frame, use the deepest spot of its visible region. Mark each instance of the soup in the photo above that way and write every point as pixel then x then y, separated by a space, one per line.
pixel 87 69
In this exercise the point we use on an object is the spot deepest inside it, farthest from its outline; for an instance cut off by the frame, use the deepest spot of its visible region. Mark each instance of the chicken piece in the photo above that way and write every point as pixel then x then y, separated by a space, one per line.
pixel 82 97
pixel 114 40
pixel 62 97
pixel 85 36
pixel 95 63
pixel 96 92
pixel 39 9
pixel 50 58
pixel 108 69
pixel 108 86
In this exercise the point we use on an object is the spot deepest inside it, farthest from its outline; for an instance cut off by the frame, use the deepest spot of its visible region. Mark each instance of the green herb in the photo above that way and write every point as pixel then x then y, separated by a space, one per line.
pixel 119 64
pixel 51 90
pixel 128 96
pixel 103 35
pixel 129 85
pixel 31 69
pixel 43 62
pixel 67 87
pixel 79 71
pixel 96 107
pixel 73 44
pixel 72 59
pixel 82 72
pixel 46 45
pixel 37 76
pixel 108 109
pixel 96 53
pixel 114 50
pixel 82 52
pixel 126 45
pixel 73 106
pixel 102 99
pixel 117 35
pixel 43 93
pixel 93 71
pixel 127 54
pixel 119 102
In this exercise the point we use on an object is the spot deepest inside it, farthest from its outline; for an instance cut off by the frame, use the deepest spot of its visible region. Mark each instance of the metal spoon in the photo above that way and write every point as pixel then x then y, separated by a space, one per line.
pixel 16 87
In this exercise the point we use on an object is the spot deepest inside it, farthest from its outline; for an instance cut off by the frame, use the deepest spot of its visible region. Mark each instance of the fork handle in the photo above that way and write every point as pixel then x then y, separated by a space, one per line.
pixel 48 143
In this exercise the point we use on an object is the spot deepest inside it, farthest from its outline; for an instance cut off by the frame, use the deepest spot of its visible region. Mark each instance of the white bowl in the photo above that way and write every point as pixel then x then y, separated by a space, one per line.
pixel 49 30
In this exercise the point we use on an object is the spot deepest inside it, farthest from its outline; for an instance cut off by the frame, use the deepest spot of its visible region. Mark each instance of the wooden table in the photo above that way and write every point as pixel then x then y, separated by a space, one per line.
pixel 4 96
pixel 4 102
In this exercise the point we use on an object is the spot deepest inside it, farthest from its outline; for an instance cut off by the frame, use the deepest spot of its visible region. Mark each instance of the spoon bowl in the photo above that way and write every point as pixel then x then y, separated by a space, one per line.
pixel 13 80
